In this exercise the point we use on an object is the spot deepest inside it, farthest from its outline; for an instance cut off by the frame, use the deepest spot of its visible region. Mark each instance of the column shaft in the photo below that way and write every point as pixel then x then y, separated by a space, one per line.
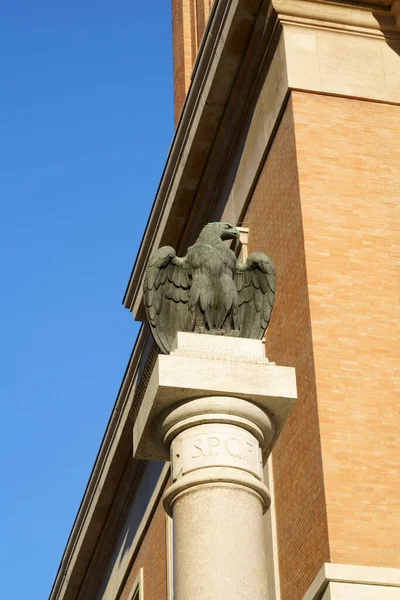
pixel 217 498
pixel 219 550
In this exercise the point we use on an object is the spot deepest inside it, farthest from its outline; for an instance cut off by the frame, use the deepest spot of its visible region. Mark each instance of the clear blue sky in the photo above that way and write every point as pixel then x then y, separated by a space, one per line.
pixel 86 120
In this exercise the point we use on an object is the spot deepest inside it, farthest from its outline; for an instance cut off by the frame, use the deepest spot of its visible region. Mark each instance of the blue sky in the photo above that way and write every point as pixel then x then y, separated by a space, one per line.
pixel 86 120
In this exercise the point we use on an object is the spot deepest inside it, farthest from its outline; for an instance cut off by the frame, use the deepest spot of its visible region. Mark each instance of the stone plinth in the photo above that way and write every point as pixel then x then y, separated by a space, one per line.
pixel 208 365
pixel 214 407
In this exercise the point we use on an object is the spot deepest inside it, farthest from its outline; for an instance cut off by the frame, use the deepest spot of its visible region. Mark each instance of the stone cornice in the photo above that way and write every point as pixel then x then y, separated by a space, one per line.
pixel 381 577
pixel 357 18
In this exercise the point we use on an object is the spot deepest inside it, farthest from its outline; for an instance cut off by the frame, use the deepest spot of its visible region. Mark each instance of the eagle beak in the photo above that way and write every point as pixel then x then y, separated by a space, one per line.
pixel 230 234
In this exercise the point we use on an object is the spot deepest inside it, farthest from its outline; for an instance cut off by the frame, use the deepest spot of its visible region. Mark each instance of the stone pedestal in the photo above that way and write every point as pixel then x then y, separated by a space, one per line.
pixel 214 407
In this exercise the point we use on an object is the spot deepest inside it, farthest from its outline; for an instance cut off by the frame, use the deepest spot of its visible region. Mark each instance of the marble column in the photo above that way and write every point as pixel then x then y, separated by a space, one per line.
pixel 215 407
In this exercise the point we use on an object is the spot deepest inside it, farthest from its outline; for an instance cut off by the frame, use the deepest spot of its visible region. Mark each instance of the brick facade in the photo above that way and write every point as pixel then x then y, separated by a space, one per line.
pixel 152 558
pixel 349 162
pixel 275 222
pixel 189 19
pixel 326 209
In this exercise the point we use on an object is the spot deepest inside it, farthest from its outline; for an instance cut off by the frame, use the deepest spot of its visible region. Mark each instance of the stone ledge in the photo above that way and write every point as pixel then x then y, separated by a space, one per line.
pixel 178 377
pixel 358 18
pixel 380 579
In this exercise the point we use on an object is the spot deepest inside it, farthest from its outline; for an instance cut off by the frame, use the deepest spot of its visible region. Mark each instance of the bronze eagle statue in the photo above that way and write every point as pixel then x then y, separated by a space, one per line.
pixel 208 291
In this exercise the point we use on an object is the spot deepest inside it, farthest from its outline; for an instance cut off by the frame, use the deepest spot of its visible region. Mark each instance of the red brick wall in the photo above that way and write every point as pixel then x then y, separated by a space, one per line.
pixel 152 557
pixel 326 208
pixel 348 155
pixel 275 222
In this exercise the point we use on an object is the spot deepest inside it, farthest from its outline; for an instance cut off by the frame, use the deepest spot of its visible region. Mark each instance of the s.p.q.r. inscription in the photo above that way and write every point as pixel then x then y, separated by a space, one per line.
pixel 221 448
pixel 213 445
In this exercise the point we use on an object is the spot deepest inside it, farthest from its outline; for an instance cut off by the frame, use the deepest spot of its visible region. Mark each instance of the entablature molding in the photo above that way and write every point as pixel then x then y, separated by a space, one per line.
pixel 361 18
pixel 384 582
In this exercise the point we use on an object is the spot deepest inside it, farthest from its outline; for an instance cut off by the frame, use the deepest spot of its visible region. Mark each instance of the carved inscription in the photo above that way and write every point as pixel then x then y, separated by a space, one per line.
pixel 215 446
pixel 221 449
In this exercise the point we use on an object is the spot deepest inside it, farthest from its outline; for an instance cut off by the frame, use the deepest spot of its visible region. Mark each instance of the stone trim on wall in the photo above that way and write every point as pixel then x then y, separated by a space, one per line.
pixel 169 556
pixel 137 592
pixel 354 581
pixel 274 590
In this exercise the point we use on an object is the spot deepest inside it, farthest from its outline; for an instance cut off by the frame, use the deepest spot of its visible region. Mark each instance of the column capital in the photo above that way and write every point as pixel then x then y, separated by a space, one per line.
pixel 216 440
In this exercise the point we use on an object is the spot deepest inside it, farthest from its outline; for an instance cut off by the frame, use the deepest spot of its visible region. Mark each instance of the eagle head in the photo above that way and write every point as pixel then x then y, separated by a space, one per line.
pixel 225 231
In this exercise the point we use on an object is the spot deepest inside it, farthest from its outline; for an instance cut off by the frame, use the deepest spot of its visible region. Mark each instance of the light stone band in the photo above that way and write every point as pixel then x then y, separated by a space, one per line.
pixel 204 419
pixel 225 408
pixel 220 476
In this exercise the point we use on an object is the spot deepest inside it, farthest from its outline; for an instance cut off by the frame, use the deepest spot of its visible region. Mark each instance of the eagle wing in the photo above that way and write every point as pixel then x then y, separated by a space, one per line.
pixel 166 297
pixel 256 283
